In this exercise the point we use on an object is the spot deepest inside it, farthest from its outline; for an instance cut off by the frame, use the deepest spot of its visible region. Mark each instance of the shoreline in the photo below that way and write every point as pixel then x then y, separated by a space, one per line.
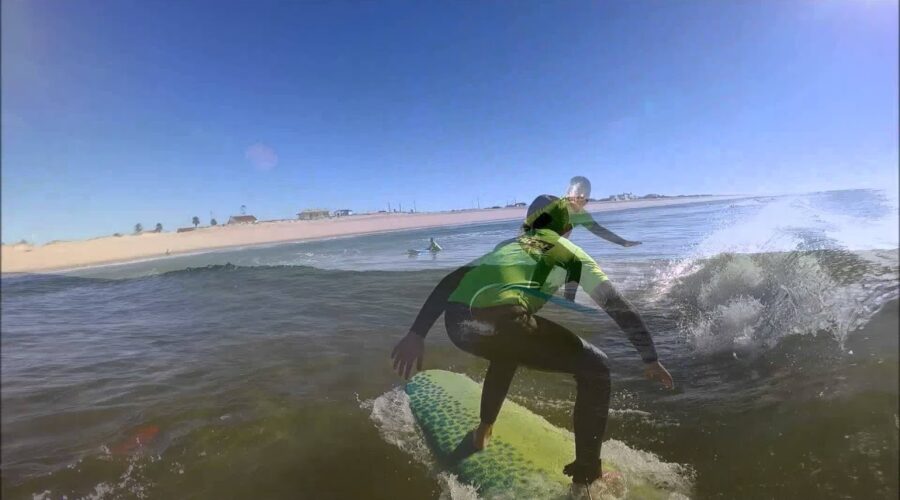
pixel 112 250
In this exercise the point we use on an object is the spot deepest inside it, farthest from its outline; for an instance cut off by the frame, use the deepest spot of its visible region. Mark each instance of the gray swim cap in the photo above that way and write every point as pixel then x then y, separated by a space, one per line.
pixel 579 186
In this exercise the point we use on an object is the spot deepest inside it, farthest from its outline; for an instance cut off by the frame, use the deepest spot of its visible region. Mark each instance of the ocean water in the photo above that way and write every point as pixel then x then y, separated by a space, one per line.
pixel 264 372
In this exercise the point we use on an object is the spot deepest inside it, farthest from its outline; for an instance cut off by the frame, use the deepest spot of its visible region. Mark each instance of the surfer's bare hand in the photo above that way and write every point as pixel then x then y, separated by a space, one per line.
pixel 408 352
pixel 631 243
pixel 656 371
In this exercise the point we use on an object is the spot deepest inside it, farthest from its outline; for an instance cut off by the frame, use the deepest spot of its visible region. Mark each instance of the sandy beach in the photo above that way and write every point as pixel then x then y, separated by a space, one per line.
pixel 63 255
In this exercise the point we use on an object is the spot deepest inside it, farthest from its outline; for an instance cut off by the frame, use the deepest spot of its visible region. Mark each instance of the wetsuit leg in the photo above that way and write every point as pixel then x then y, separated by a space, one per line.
pixel 554 348
pixel 591 409
pixel 496 386
pixel 547 346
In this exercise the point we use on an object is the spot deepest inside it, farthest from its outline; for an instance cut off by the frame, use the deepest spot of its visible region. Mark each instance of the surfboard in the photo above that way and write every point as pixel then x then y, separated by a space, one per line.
pixel 413 251
pixel 525 456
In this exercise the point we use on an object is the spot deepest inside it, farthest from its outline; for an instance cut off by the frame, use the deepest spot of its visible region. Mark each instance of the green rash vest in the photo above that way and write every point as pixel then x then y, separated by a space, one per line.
pixel 526 269
pixel 580 218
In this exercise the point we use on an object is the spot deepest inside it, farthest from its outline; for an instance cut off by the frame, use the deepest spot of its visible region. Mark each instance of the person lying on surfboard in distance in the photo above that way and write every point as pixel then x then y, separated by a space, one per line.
pixel 490 310
pixel 433 247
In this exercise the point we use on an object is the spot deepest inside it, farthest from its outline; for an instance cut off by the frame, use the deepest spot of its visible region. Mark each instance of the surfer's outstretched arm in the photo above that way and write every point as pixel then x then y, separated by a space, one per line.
pixel 437 301
pixel 581 218
pixel 628 319
pixel 608 235
pixel 410 350
pixel 583 269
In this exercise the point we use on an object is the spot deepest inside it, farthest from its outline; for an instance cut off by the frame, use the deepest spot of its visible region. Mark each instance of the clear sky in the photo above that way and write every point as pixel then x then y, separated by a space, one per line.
pixel 118 112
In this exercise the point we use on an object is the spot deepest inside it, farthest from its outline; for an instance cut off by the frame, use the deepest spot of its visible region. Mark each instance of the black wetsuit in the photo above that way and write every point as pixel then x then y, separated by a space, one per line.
pixel 490 311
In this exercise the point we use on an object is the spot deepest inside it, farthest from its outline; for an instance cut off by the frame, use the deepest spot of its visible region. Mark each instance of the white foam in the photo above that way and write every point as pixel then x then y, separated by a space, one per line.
pixel 736 278
pixel 866 233
pixel 397 426
pixel 648 467
pixel 766 289
pixel 101 491
pixel 767 230
pixel 791 294
pixel 775 228
pixel 131 484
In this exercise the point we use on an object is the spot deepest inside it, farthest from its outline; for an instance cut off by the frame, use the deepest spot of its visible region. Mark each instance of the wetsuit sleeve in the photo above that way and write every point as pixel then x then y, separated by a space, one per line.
pixel 595 282
pixel 570 290
pixel 437 301
pixel 585 220
pixel 628 319
pixel 604 233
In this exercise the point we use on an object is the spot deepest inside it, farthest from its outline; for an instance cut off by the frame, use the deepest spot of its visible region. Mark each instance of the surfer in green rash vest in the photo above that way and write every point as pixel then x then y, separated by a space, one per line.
pixel 577 195
pixel 490 310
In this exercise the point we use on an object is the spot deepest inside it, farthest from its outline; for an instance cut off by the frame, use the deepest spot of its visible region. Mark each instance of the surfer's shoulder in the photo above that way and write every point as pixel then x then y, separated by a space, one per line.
pixel 580 217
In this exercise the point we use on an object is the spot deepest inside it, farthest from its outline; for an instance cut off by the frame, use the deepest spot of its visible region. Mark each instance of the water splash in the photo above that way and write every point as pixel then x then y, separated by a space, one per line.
pixel 749 302
pixel 797 265
pixel 396 424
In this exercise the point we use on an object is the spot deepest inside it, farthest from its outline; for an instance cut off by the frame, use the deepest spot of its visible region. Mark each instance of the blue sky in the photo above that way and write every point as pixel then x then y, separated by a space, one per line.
pixel 133 111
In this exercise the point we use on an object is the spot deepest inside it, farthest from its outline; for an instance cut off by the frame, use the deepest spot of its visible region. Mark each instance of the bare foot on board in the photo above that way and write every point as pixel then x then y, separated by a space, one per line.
pixel 482 436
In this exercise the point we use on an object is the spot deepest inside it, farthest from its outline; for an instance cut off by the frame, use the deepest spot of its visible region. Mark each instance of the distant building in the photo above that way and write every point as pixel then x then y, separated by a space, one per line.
pixel 313 213
pixel 241 219
pixel 185 229
pixel 621 197
pixel 344 212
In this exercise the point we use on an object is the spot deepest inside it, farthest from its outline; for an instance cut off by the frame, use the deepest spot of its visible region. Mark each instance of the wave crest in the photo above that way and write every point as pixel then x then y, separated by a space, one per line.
pixel 743 302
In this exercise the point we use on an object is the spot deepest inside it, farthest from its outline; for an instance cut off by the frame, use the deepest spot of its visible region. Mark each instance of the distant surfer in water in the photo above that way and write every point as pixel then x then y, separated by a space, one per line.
pixel 433 247
pixel 490 308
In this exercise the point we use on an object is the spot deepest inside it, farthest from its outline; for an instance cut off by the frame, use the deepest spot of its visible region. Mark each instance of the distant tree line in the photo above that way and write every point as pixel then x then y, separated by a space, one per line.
pixel 139 228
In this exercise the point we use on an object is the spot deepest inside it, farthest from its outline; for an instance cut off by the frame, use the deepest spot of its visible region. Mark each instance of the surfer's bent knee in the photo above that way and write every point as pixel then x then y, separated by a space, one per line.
pixel 595 364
